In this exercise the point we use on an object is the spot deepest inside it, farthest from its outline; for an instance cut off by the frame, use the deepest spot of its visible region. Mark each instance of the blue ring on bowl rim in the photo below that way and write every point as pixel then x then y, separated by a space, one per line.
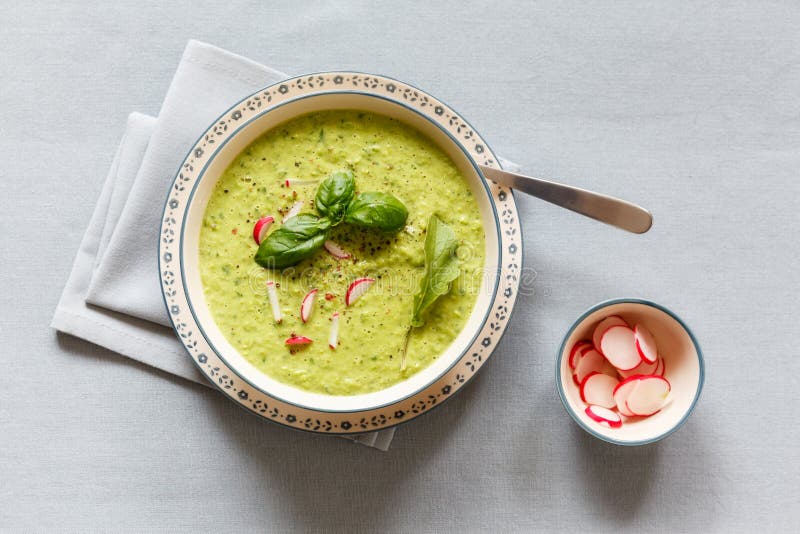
pixel 560 385
pixel 200 175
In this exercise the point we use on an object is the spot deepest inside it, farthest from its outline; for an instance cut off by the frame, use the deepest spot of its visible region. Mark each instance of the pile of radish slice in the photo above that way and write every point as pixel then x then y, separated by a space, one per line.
pixel 619 372
pixel 354 291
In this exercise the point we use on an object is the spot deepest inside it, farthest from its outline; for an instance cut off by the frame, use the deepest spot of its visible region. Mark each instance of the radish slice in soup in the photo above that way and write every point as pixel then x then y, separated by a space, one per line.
pixel 356 289
pixel 294 210
pixel 261 228
pixel 333 339
pixel 299 340
pixel 272 292
pixel 336 251
pixel 308 305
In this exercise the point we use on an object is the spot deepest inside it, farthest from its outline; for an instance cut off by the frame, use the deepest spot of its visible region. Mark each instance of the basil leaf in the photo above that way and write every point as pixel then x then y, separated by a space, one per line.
pixel 377 210
pixel 441 267
pixel 298 239
pixel 334 194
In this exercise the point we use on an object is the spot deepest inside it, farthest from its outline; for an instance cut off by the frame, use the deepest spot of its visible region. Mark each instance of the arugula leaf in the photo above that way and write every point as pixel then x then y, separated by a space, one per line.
pixel 334 194
pixel 377 210
pixel 441 268
pixel 298 239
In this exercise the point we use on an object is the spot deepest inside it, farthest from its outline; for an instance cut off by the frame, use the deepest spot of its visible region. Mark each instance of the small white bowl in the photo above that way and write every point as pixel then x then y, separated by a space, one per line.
pixel 683 368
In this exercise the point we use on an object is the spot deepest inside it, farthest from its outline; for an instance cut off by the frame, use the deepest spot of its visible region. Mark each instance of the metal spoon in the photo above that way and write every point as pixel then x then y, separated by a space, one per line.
pixel 603 208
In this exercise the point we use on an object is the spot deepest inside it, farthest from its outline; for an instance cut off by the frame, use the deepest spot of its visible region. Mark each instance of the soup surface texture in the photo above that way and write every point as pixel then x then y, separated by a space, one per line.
pixel 384 155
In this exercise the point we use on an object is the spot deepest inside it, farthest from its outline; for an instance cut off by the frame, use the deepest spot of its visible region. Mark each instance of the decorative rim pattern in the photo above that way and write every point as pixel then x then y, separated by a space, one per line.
pixel 227 379
pixel 560 386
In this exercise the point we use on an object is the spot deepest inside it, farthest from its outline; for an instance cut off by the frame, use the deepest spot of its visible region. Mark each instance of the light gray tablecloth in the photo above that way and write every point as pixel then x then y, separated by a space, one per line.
pixel 688 108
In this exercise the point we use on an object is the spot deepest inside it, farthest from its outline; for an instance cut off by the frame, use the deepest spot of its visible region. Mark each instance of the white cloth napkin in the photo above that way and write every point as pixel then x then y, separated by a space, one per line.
pixel 112 297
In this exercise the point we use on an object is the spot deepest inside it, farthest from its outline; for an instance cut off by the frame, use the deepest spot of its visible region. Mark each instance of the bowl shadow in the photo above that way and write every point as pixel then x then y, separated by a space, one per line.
pixel 330 484
pixel 659 482
pixel 321 483
pixel 620 477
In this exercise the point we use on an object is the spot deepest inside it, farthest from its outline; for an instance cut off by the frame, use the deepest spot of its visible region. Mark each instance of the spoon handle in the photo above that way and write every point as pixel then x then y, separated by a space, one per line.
pixel 603 208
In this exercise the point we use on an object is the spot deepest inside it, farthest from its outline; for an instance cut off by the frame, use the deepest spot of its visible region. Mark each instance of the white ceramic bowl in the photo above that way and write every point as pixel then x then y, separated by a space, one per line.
pixel 683 368
pixel 183 291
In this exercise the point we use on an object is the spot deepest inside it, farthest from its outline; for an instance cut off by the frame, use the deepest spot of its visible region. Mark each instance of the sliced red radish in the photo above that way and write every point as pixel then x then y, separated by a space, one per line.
pixel 294 210
pixel 272 291
pixel 356 289
pixel 645 344
pixel 619 346
pixel 591 362
pixel 598 388
pixel 609 370
pixel 605 324
pixel 604 416
pixel 668 400
pixel 299 340
pixel 623 410
pixel 574 354
pixel 661 366
pixel 624 383
pixel 333 338
pixel 261 228
pixel 336 251
pixel 643 368
pixel 649 396
pixel 295 182
pixel 619 351
pixel 621 393
pixel 581 352
pixel 308 305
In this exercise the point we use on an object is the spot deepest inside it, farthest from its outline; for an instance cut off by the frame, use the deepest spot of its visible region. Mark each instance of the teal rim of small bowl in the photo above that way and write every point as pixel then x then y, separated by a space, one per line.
pixel 560 385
